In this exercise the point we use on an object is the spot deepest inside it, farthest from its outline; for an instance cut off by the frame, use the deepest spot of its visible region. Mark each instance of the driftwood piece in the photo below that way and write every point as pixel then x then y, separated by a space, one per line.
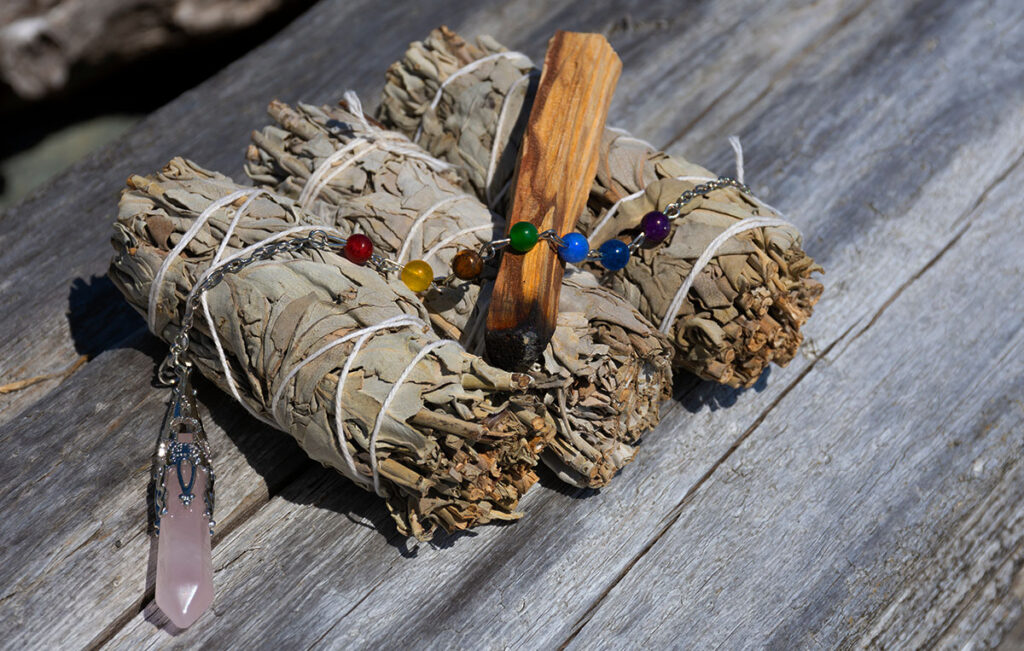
pixel 606 369
pixel 453 450
pixel 886 131
pixel 746 307
pixel 43 43
pixel 557 163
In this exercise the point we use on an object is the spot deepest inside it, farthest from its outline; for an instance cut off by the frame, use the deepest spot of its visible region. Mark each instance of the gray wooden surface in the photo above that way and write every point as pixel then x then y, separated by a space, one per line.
pixel 870 494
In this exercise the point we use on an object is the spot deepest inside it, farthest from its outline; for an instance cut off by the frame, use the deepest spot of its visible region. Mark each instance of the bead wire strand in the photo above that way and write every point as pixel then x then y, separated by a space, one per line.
pixel 610 251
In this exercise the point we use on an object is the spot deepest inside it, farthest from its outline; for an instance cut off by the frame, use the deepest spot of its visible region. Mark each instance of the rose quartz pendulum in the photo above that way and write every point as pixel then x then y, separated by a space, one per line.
pixel 184 506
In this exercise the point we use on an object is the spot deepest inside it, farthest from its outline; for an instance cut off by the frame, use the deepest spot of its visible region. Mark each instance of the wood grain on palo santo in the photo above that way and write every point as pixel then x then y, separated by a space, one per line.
pixel 557 164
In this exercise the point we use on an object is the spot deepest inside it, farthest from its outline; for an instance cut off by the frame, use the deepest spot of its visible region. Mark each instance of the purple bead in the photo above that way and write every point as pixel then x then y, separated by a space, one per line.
pixel 656 226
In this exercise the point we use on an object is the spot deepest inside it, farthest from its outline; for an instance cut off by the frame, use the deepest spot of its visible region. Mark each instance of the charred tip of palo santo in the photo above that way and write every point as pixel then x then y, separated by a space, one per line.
pixel 517 348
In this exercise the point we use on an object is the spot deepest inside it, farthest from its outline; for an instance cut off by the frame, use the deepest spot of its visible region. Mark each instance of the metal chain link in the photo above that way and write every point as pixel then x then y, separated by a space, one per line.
pixel 675 209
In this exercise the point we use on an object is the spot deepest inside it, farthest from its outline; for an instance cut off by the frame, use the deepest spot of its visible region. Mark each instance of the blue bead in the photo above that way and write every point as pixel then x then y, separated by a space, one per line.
pixel 614 255
pixel 576 248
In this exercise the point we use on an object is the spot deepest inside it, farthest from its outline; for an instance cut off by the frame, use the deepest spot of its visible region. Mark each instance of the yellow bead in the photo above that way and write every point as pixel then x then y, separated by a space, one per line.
pixel 417 275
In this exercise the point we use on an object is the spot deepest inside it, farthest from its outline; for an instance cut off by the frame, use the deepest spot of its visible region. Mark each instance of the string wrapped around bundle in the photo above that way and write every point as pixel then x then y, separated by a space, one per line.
pixel 335 354
pixel 606 370
pixel 728 319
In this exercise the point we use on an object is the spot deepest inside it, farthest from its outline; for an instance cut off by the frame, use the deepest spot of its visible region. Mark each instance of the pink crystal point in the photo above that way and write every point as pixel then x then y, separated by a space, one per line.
pixel 184 565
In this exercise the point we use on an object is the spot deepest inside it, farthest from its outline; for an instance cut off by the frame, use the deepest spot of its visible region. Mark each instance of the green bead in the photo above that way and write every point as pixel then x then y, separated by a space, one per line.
pixel 523 236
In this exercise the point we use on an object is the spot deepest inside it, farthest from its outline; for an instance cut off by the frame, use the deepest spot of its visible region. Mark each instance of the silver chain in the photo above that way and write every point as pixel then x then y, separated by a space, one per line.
pixel 675 209
pixel 175 366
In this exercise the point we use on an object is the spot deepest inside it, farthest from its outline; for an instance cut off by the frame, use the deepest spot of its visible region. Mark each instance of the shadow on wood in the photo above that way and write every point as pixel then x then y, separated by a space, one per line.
pixel 99 318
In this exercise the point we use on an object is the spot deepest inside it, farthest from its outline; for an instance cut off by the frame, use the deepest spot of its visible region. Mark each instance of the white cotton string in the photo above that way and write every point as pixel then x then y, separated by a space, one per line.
pixel 401 320
pixel 329 168
pixel 339 161
pixel 492 165
pixel 737 147
pixel 387 404
pixel 221 355
pixel 279 393
pixel 611 213
pixel 470 67
pixel 625 135
pixel 418 223
pixel 158 279
pixel 363 335
pixel 244 208
pixel 391 141
pixel 187 237
pixel 355 107
pixel 741 226
pixel 454 236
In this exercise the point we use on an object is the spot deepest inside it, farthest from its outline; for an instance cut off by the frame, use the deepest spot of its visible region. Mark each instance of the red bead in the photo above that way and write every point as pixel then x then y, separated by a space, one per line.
pixel 358 248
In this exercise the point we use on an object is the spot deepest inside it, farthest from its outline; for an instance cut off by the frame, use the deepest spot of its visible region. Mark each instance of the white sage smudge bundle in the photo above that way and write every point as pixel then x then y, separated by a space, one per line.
pixel 466 104
pixel 606 370
pixel 308 340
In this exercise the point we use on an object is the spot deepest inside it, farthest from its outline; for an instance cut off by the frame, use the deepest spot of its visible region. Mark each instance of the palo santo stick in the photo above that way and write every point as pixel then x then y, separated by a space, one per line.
pixel 557 165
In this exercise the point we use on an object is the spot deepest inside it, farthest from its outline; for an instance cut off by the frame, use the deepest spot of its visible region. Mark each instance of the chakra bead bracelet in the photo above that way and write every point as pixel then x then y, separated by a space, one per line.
pixel 573 248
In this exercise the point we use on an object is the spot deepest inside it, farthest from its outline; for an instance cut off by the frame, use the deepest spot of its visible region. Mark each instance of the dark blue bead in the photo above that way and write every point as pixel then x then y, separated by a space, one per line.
pixel 614 255
pixel 576 248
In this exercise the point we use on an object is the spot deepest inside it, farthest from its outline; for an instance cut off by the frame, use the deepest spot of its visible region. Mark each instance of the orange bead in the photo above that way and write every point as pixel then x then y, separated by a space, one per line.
pixel 467 264
pixel 417 275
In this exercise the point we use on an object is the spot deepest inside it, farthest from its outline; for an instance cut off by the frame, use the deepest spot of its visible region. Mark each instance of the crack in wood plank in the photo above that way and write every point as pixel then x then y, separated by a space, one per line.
pixel 996 182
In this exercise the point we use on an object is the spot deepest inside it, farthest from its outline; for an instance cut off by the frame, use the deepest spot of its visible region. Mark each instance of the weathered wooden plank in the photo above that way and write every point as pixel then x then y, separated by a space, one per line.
pixel 882 498
pixel 560 530
pixel 529 584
